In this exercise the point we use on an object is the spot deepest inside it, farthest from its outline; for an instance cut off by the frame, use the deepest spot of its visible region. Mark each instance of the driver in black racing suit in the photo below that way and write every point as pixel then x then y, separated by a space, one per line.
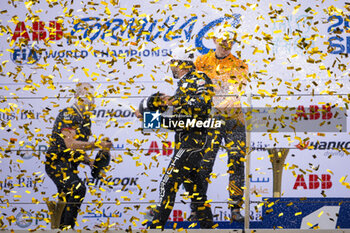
pixel 192 101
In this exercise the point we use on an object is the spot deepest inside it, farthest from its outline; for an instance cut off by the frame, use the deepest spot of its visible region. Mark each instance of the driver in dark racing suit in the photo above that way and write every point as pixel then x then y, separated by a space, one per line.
pixel 192 101
pixel 68 146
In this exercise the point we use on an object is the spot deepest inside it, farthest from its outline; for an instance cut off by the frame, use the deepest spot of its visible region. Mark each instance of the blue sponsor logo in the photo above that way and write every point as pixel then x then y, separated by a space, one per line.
pixel 151 120
pixel 118 30
pixel 26 55
pixel 339 42
pixel 24 219
pixel 306 213
pixel 288 213
pixel 92 28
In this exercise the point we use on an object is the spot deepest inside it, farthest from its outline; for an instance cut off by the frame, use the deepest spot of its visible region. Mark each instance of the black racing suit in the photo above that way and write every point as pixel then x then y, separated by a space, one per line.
pixel 62 163
pixel 193 98
pixel 234 135
pixel 229 74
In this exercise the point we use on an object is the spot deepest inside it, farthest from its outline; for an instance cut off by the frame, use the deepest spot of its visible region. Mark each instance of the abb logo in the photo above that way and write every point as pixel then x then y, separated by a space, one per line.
pixel 314 182
pixel 314 112
pixel 39 31
pixel 177 216
pixel 166 148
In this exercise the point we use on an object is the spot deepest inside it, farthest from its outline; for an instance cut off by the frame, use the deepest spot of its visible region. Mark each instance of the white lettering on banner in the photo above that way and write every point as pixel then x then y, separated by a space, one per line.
pixel 324 218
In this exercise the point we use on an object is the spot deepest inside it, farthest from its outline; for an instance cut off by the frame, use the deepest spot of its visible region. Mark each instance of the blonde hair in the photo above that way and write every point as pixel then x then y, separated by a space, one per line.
pixel 81 88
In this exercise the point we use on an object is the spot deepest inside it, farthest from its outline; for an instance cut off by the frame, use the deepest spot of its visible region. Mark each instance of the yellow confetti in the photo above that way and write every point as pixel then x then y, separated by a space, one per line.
pixel 19 161
pixel 320 214
pixel 296 9
pixel 330 171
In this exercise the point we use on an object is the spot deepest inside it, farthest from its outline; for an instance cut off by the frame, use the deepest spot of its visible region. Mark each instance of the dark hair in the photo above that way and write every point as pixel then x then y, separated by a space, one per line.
pixel 190 63
pixel 187 63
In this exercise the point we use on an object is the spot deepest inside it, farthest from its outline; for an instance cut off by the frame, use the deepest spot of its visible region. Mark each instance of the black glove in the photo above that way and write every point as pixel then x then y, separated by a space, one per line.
pixel 152 104
pixel 102 160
